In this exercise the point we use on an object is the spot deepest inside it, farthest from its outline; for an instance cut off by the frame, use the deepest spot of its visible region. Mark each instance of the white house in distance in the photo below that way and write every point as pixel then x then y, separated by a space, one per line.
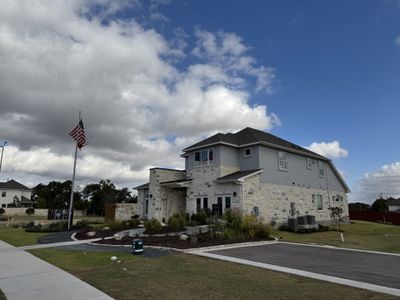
pixel 15 193
pixel 250 170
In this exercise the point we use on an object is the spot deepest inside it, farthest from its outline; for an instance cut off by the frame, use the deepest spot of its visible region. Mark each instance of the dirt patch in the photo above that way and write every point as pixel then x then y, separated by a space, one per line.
pixel 174 241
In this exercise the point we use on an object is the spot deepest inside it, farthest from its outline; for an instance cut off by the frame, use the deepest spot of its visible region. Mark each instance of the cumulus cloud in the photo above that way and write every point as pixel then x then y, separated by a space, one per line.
pixel 139 107
pixel 385 180
pixel 329 149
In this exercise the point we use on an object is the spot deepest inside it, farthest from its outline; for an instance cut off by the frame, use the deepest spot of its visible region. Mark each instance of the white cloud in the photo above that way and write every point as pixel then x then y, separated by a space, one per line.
pixel 139 108
pixel 228 51
pixel 329 149
pixel 397 40
pixel 386 180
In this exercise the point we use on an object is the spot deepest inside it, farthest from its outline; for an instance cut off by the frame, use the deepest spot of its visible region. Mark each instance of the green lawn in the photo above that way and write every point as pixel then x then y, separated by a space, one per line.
pixel 183 276
pixel 358 235
pixel 19 237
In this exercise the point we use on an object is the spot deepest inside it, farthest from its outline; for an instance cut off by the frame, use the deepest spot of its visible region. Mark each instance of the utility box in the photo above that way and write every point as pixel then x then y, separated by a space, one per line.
pixel 137 247
pixel 310 219
pixel 301 220
pixel 292 224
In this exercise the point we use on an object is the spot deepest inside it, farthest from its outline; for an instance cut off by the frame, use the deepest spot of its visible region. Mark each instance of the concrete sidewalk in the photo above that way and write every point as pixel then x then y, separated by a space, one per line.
pixel 24 276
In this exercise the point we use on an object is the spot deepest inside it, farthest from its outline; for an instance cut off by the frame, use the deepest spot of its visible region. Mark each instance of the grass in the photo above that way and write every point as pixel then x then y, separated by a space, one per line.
pixel 19 237
pixel 183 276
pixel 358 235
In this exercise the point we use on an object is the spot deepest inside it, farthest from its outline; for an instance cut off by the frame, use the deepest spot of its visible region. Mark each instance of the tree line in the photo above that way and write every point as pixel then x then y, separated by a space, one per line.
pixel 379 205
pixel 92 197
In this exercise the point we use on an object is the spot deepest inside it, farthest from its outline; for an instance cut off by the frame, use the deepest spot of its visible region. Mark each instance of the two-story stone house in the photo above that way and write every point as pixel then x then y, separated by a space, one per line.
pixel 250 170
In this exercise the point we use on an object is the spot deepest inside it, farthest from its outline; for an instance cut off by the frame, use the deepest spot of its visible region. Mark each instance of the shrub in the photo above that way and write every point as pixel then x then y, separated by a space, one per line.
pixel 233 219
pixel 248 225
pixel 81 224
pixel 152 225
pixel 2 211
pixel 30 211
pixel 323 228
pixel 262 230
pixel 200 217
pixel 176 222
pixel 122 225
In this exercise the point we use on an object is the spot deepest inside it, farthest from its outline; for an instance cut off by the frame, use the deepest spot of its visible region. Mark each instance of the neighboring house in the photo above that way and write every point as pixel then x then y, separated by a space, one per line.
pixel 15 194
pixel 394 205
pixel 250 170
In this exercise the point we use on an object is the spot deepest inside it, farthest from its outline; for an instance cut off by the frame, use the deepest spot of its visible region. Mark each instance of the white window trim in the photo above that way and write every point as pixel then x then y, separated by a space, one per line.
pixel 309 163
pixel 322 202
pixel 209 162
pixel 321 166
pixel 285 169
pixel 244 152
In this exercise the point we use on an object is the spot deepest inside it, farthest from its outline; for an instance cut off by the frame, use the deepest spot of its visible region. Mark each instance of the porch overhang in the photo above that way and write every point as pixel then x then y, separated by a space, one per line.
pixel 175 184
pixel 238 177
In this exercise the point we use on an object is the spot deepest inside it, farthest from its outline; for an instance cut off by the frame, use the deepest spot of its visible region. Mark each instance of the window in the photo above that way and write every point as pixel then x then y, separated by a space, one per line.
pixel 197 159
pixel 313 198
pixel 282 161
pixel 198 204
pixel 210 155
pixel 227 202
pixel 3 205
pixel 309 163
pixel 319 202
pixel 321 168
pixel 205 203
pixel 204 157
pixel 256 211
pixel 3 194
pixel 247 152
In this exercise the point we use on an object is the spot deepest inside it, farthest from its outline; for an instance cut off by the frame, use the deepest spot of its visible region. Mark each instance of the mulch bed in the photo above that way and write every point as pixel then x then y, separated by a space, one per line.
pixel 82 234
pixel 175 242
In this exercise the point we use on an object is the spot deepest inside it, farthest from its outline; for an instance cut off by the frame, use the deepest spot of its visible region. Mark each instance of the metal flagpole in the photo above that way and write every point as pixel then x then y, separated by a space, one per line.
pixel 71 200
pixel 2 152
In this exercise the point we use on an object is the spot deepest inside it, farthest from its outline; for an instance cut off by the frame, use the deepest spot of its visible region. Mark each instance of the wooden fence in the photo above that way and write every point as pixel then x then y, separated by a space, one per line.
pixel 374 216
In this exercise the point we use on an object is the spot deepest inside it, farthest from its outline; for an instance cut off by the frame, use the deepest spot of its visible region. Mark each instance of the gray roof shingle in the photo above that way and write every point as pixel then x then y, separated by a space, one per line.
pixel 13 185
pixel 250 136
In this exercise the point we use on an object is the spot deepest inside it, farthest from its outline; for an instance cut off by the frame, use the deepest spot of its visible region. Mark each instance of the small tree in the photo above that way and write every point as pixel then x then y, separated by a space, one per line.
pixel 336 215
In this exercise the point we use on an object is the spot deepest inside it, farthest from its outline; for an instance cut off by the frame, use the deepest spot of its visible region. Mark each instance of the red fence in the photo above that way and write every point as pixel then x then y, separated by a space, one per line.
pixel 374 216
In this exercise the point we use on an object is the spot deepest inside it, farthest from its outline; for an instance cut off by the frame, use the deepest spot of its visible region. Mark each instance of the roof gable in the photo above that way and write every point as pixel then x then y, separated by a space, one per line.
pixel 13 185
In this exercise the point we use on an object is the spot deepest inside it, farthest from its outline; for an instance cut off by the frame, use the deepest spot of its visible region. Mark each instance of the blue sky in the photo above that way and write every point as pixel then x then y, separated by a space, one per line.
pixel 322 74
pixel 337 68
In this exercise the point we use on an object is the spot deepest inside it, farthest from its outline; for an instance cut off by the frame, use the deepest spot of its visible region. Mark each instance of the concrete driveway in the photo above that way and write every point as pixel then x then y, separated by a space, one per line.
pixel 379 272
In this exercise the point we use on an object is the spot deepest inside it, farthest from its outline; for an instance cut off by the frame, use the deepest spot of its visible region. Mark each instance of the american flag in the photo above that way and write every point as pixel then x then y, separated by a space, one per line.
pixel 78 134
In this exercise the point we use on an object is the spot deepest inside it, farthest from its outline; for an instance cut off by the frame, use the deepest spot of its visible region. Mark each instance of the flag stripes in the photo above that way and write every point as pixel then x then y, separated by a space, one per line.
pixel 78 134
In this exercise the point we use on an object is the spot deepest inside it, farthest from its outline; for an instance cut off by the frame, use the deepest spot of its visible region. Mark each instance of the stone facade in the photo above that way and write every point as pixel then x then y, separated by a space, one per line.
pixel 203 185
pixel 274 202
pixel 124 211
pixel 163 201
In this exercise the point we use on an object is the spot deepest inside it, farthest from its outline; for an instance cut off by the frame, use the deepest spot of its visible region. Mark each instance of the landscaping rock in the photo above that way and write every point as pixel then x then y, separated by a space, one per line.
pixel 183 237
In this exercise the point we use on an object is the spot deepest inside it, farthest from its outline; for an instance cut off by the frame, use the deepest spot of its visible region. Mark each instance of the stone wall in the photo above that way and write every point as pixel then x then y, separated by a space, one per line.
pixel 274 201
pixel 157 197
pixel 124 211
pixel 20 211
pixel 203 185
pixel 40 212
